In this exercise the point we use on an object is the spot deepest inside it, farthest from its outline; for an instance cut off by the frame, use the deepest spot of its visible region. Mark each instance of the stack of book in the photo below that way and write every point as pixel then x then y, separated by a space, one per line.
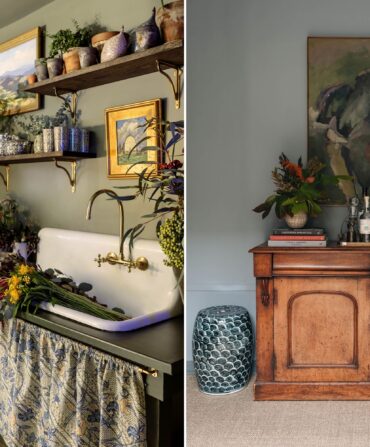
pixel 302 237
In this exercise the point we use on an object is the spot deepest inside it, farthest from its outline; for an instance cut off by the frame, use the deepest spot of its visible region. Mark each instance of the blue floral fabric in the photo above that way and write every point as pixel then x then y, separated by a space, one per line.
pixel 55 392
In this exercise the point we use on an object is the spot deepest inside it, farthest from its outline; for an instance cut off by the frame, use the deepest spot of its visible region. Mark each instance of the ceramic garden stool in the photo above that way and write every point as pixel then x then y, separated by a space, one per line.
pixel 222 349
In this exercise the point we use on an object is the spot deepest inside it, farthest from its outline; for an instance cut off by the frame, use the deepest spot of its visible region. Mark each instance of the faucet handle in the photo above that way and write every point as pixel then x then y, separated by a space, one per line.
pixel 99 260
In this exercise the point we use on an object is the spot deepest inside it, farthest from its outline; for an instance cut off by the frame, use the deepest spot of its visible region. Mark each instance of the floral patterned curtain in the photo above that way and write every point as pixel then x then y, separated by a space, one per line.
pixel 55 392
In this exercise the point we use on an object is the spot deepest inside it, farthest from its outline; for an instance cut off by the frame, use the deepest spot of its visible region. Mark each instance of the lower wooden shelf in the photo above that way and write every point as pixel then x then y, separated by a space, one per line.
pixel 44 156
pixel 56 157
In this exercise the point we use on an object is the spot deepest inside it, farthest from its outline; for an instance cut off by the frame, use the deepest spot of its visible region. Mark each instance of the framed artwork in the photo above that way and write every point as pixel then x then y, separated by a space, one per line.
pixel 339 110
pixel 17 61
pixel 124 126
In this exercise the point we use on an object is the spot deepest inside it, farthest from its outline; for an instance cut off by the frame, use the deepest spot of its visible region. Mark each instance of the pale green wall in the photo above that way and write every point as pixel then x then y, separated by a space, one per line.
pixel 44 188
pixel 246 98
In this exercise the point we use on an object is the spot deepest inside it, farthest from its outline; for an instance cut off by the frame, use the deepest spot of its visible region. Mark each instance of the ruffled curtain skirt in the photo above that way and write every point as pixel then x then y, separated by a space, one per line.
pixel 55 392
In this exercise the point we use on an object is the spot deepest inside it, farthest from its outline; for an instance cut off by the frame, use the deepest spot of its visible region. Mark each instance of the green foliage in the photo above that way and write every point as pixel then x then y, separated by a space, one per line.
pixel 165 189
pixel 65 39
pixel 16 226
pixel 298 189
pixel 171 235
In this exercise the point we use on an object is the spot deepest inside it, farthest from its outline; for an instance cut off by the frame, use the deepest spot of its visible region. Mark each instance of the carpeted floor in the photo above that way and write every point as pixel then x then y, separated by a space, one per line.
pixel 237 421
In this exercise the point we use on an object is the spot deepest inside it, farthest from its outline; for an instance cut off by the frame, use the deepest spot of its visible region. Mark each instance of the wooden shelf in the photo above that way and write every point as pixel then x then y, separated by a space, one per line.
pixel 56 157
pixel 43 157
pixel 125 67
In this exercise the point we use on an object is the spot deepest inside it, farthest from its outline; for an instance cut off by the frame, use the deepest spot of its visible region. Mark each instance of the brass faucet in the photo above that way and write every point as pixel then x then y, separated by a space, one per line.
pixel 140 263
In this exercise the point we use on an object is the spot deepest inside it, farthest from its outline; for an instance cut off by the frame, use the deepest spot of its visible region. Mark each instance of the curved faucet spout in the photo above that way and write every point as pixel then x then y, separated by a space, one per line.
pixel 110 193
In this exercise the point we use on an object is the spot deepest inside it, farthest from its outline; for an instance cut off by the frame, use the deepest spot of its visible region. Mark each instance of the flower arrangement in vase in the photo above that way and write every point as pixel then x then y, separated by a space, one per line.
pixel 299 191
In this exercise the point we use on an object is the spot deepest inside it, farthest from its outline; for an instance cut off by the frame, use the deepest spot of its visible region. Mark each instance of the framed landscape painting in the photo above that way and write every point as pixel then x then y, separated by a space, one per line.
pixel 17 61
pixel 339 110
pixel 127 135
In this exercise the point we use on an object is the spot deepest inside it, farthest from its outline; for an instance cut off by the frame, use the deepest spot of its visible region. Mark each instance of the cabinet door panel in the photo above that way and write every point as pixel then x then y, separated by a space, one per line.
pixel 320 329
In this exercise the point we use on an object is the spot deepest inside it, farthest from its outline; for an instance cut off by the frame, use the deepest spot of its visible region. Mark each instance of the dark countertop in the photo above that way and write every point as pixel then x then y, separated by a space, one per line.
pixel 159 346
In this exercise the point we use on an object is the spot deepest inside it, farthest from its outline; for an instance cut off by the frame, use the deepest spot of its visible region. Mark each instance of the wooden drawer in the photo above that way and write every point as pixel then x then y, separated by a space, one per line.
pixel 325 263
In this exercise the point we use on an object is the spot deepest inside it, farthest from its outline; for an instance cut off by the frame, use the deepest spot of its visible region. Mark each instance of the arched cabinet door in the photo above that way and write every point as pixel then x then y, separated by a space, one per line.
pixel 321 328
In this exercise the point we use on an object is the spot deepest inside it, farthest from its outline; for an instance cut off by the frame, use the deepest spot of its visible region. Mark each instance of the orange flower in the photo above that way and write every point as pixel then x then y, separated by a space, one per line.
pixel 293 169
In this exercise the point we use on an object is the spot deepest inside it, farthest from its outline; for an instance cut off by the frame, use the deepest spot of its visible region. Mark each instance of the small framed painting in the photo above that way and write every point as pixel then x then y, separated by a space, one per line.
pixel 17 61
pixel 127 135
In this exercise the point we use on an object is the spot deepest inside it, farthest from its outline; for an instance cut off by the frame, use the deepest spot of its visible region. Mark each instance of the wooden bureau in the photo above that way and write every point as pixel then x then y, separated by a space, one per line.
pixel 313 323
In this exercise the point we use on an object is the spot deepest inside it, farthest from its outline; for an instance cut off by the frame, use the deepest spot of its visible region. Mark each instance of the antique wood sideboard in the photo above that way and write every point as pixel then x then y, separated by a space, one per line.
pixel 313 323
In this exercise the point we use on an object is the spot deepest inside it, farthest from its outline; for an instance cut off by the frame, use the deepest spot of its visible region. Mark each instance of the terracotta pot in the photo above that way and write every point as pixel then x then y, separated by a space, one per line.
pixel 98 40
pixel 299 220
pixel 31 79
pixel 55 67
pixel 88 56
pixel 170 19
pixel 72 60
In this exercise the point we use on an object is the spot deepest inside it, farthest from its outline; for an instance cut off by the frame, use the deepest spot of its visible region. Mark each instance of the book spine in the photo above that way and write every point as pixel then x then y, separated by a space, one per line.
pixel 287 237
pixel 296 243
pixel 301 232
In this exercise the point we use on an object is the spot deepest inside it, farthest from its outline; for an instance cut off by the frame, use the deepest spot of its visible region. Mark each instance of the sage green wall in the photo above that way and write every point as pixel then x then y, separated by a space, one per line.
pixel 247 103
pixel 45 189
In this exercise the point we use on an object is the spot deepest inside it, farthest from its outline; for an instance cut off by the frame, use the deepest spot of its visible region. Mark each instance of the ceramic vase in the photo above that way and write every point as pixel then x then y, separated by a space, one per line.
pixel 84 140
pixel 74 139
pixel 114 47
pixel 146 35
pixel 41 69
pixel 299 220
pixel 99 39
pixel 170 19
pixel 61 138
pixel 88 56
pixel 38 144
pixel 48 140
pixel 55 67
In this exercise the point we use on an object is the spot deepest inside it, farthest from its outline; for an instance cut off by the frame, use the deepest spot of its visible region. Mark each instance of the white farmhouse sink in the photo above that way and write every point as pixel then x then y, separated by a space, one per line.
pixel 147 296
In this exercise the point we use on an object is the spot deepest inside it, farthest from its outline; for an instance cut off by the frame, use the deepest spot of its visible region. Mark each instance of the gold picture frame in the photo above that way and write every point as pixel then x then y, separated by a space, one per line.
pixel 124 129
pixel 17 60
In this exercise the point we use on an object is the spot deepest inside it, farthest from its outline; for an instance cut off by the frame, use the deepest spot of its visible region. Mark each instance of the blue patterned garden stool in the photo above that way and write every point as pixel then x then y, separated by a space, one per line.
pixel 222 349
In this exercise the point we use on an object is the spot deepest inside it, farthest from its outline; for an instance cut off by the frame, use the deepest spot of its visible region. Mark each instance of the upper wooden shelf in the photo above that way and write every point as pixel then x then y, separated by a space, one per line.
pixel 125 67
pixel 43 157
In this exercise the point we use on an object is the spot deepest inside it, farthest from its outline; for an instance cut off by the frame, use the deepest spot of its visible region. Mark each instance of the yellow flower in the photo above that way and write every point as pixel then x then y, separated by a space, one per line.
pixel 14 281
pixel 27 279
pixel 14 296
pixel 24 269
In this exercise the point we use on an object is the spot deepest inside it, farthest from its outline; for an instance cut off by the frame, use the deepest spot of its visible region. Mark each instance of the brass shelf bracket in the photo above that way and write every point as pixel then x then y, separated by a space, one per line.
pixel 176 86
pixel 72 176
pixel 149 372
pixel 71 107
pixel 6 178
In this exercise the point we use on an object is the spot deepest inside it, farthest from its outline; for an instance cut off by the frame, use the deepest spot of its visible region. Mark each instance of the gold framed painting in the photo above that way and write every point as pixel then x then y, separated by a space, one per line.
pixel 124 126
pixel 17 61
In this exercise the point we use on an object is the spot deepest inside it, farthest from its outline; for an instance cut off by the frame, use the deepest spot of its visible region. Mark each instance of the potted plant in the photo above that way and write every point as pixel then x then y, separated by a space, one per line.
pixel 170 19
pixel 166 192
pixel 299 191
pixel 67 43
pixel 17 232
